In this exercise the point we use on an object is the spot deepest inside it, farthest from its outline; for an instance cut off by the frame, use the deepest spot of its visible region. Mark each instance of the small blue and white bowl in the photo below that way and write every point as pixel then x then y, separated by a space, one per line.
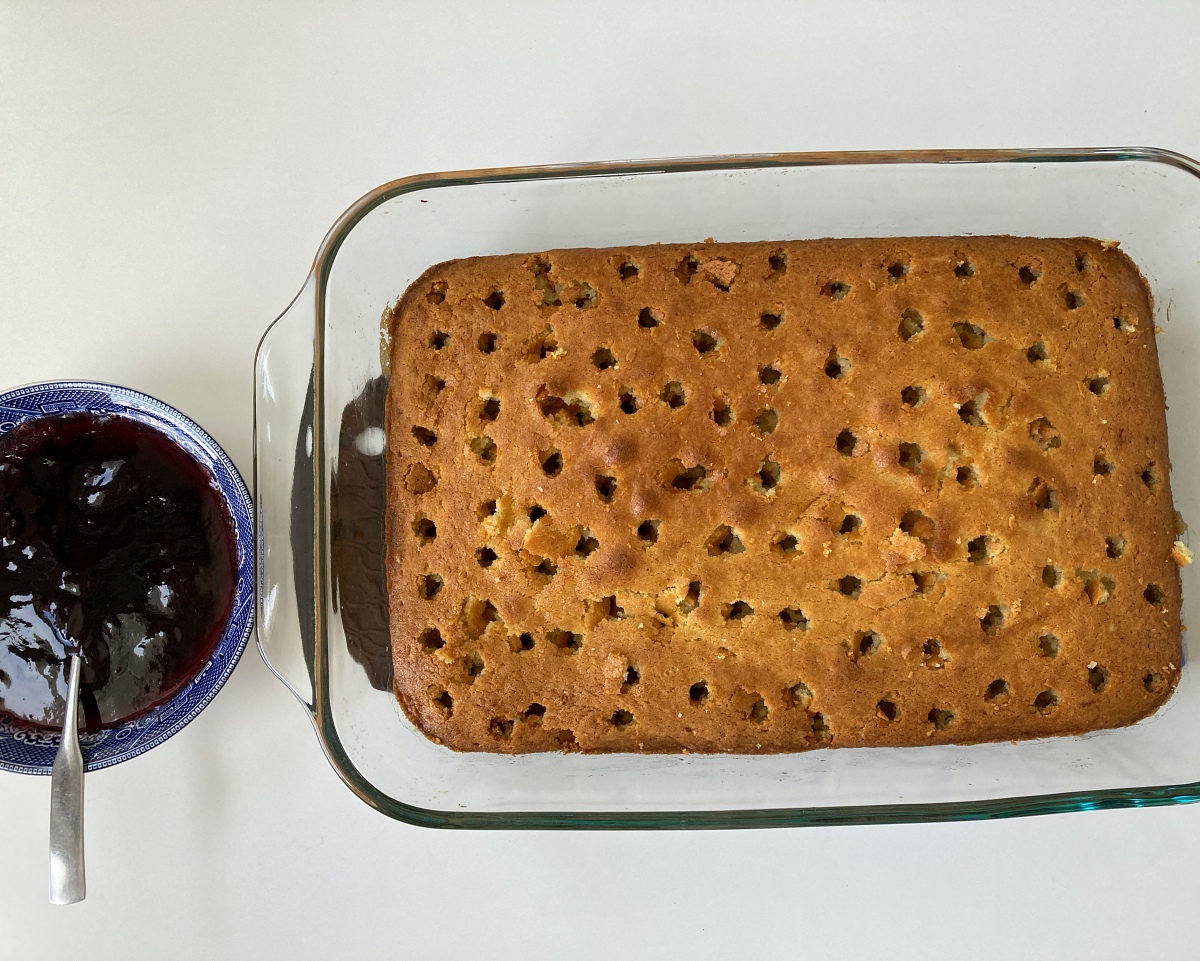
pixel 31 751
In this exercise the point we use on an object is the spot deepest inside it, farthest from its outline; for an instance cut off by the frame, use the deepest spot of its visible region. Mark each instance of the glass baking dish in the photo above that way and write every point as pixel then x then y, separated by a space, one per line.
pixel 320 377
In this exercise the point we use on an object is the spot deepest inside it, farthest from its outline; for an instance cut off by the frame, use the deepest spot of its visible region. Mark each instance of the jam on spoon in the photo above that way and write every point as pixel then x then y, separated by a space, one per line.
pixel 115 541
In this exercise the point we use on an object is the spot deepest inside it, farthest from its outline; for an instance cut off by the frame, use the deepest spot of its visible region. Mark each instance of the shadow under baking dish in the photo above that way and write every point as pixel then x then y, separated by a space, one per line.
pixel 316 365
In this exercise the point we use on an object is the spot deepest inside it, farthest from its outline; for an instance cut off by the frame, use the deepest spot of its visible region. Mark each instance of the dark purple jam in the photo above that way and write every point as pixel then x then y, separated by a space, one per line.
pixel 114 539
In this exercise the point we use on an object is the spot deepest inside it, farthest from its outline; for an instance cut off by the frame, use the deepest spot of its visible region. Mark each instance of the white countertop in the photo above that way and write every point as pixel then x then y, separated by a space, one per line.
pixel 167 171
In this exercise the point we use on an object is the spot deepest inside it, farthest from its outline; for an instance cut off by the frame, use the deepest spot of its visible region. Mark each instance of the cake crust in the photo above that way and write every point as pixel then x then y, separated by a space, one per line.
pixel 767 497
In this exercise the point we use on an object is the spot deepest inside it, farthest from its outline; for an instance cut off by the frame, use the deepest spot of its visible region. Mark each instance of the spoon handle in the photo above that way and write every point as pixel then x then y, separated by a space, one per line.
pixel 66 804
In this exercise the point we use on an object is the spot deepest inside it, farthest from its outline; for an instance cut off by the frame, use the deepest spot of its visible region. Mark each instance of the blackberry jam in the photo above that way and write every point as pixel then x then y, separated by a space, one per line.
pixel 115 540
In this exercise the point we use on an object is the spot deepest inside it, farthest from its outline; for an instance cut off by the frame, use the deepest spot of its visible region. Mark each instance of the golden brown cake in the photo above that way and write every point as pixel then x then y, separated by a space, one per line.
pixel 768 497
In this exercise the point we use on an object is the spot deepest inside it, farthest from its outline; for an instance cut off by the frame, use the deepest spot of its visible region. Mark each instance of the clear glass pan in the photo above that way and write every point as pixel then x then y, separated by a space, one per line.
pixel 317 359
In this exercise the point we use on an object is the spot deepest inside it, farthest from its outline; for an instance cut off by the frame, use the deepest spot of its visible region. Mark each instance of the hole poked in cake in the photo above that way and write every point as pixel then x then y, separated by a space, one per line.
pixel 1153 594
pixel 687 269
pixel 888 710
pixel 604 359
pixel 849 586
pixel 444 702
pixel 536 513
pixel 494 300
pixel 897 269
pixel 674 476
pixel 586 298
pixel 1037 354
pixel 546 569
pixel 620 718
pixel 647 531
pixel 933 654
pixel 1115 546
pixel 967 477
pixel 1149 476
pixel 865 644
pixel 916 524
pixel 487 342
pixel 1045 434
pixel 769 319
pixel 431 639
pixel 472 665
pixel 705 342
pixel 691 599
pixel 429 586
pixel 573 410
pixel 627 270
pixel 1048 645
pixel 534 714
pixel 971 413
pixel 836 366
pixel 500 728
pixel 489 410
pixel 586 545
pixel 439 339
pixel 766 420
pixel 785 542
pixel 1102 466
pixel 551 462
pixel 628 402
pixel 1045 497
pixel 723 541
pixel 424 436
pixel 799 696
pixel 851 524
pixel 846 442
pixel 1097 676
pixel 567 641
pixel 835 290
pixel 721 413
pixel 913 396
pixel 485 557
pixel 766 478
pixel 793 619
pixel 909 457
pixel 971 336
pixel 1073 299
pixel 1153 682
pixel 1098 385
pixel 982 549
pixel 649 318
pixel 994 619
pixel 942 719
pixel 759 711
pixel 736 611
pixel 769 376
pixel 996 691
pixel 541 346
pixel 1046 701
pixel 606 487
pixel 964 269
pixel 698 692
pixel 483 448
pixel 819 727
pixel 673 395
pixel 604 609
pixel 1029 275
pixel 1081 262
pixel 777 263
pixel 525 641
pixel 925 581
pixel 630 679
pixel 1052 576
pixel 1123 324
pixel 425 529
pixel 437 292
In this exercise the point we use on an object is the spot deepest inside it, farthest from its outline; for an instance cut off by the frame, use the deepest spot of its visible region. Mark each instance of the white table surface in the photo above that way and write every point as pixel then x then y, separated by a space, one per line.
pixel 167 171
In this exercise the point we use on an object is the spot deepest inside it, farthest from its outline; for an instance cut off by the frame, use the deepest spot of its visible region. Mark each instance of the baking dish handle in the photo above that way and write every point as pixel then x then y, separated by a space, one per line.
pixel 284 495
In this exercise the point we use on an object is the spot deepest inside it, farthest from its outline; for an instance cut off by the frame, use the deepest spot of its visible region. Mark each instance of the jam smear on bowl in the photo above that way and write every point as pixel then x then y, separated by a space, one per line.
pixel 114 539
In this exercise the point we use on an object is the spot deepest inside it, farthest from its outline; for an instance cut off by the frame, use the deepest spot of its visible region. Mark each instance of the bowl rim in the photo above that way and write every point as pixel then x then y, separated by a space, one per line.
pixel 162 721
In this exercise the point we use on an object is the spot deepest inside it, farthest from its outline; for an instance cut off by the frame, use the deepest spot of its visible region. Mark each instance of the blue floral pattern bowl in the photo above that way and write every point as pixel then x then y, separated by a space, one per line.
pixel 31 751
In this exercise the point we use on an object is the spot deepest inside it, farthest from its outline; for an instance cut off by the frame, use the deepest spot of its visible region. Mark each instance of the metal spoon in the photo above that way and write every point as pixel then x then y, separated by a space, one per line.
pixel 66 804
